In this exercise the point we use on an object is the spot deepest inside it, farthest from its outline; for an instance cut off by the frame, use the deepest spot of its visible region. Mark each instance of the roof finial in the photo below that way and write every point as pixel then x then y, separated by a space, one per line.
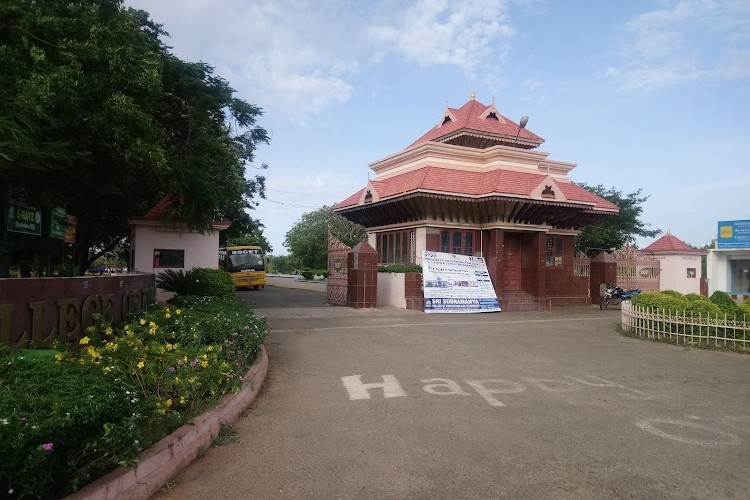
pixel 669 231
pixel 473 95
pixel 493 100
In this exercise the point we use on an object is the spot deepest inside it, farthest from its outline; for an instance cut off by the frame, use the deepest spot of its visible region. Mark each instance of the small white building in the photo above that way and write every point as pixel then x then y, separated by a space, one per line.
pixel 680 264
pixel 729 263
pixel 157 246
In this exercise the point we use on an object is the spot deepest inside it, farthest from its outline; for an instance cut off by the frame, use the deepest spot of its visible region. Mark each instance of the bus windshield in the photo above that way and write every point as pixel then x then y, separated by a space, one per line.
pixel 246 259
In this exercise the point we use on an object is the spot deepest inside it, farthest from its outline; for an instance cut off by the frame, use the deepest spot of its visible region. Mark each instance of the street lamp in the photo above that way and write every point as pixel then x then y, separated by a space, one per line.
pixel 521 124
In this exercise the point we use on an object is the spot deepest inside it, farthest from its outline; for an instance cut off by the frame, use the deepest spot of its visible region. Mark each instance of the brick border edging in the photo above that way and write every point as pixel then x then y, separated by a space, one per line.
pixel 160 462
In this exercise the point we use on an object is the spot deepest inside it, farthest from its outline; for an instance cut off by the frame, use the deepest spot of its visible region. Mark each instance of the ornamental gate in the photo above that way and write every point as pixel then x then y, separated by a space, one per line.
pixel 337 271
pixel 636 270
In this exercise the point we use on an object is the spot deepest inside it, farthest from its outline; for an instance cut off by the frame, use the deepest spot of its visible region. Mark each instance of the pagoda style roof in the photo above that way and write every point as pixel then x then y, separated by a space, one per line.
pixel 480 126
pixel 431 180
pixel 671 244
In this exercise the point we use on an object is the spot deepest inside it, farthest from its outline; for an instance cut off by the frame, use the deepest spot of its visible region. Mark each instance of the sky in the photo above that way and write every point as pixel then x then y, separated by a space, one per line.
pixel 651 95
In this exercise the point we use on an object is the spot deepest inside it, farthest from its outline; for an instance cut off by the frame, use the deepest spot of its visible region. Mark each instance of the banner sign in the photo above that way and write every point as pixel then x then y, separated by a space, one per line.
pixel 24 220
pixel 57 223
pixel 734 234
pixel 457 284
pixel 70 229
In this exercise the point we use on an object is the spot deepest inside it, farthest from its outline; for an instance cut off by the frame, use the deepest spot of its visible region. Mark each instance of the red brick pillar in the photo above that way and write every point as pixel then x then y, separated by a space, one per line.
pixel 362 284
pixel 492 250
pixel 603 270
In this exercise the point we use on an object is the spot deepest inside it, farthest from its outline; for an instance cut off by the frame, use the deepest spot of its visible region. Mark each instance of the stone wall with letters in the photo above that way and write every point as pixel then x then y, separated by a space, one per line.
pixel 34 312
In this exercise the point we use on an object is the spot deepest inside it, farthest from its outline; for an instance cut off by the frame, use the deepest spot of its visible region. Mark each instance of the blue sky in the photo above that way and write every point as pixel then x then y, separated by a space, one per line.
pixel 651 95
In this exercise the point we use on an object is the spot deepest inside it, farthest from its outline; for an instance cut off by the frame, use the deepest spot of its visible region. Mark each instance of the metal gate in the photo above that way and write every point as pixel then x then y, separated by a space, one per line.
pixel 636 270
pixel 337 271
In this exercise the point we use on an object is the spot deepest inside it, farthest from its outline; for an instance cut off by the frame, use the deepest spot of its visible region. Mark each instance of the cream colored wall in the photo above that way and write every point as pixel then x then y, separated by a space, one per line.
pixel 201 250
pixel 421 243
pixel 391 290
pixel 673 274
pixel 718 268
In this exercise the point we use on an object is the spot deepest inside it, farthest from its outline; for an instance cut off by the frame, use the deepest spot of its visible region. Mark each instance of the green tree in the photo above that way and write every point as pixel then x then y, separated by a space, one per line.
pixel 307 240
pixel 99 117
pixel 253 237
pixel 283 264
pixel 614 231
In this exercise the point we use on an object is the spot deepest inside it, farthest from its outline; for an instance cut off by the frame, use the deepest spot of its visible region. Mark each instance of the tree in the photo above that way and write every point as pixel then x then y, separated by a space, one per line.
pixel 100 118
pixel 307 240
pixel 283 264
pixel 614 231
pixel 253 237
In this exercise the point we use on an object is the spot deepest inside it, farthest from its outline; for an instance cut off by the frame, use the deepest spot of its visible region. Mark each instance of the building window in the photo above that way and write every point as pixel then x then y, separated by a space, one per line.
pixel 691 272
pixel 554 251
pixel 457 242
pixel 164 257
pixel 739 273
pixel 396 247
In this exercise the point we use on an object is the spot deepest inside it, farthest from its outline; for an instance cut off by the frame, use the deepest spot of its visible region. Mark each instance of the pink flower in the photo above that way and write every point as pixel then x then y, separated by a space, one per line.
pixel 193 364
pixel 171 369
pixel 48 446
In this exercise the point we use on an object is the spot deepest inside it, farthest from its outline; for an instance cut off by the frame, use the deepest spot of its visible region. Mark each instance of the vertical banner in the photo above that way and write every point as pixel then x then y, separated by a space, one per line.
pixel 457 284
pixel 57 223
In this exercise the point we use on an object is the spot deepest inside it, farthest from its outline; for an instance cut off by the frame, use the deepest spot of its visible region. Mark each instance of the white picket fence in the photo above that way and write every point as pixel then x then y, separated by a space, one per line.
pixel 681 327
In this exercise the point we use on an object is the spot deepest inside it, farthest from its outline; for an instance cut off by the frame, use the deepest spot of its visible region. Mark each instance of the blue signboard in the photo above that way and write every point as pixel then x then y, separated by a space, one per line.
pixel 734 234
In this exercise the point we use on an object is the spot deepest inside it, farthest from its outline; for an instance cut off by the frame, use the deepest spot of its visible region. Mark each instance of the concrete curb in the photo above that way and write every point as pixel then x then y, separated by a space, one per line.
pixel 163 460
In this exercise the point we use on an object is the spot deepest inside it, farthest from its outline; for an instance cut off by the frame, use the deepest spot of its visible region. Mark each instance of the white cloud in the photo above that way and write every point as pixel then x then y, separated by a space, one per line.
pixel 689 40
pixel 298 58
pixel 465 34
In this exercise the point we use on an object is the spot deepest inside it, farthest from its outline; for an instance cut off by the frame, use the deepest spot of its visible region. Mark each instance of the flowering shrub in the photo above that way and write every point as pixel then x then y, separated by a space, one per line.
pixel 69 417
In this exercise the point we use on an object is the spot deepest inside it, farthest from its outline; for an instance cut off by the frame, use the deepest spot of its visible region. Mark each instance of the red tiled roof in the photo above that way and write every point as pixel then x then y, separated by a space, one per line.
pixel 157 211
pixel 670 244
pixel 469 116
pixel 468 183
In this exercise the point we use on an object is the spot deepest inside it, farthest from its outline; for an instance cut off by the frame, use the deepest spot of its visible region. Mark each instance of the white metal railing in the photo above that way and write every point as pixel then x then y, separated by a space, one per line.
pixel 686 328
pixel 582 267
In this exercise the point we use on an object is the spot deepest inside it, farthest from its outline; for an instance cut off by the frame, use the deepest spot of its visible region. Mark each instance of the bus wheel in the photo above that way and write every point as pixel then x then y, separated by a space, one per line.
pixel 257 287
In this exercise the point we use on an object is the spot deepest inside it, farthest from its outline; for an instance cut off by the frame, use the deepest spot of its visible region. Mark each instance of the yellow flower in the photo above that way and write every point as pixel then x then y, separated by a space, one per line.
pixel 143 321
pixel 191 380
pixel 141 364
pixel 177 380
pixel 108 331
pixel 204 357
pixel 168 402
pixel 209 348
pixel 178 312
pixel 59 357
pixel 107 369
pixel 204 364
pixel 168 346
pixel 182 398
pixel 162 411
pixel 167 315
pixel 84 341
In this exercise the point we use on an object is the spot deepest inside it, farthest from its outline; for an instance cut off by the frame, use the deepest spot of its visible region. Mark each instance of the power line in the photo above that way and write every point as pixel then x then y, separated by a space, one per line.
pixel 290 204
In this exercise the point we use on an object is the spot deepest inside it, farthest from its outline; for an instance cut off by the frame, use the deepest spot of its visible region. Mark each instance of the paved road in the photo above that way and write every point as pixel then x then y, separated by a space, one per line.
pixel 506 405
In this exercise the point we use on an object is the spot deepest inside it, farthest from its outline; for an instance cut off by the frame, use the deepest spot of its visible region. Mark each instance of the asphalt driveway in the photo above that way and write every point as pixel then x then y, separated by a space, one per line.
pixel 397 404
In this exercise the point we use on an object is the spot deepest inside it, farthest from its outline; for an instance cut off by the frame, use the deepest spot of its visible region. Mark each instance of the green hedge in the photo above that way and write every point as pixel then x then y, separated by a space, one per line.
pixel 198 281
pixel 719 304
pixel 400 268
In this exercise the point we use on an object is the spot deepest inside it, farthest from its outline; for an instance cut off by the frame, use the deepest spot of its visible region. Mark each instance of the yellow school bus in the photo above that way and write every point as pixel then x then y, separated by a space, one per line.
pixel 246 264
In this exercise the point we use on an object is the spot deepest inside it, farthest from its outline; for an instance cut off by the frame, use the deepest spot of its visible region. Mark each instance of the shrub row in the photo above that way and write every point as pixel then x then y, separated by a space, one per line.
pixel 719 303
pixel 69 416
pixel 197 281
pixel 400 268
pixel 309 274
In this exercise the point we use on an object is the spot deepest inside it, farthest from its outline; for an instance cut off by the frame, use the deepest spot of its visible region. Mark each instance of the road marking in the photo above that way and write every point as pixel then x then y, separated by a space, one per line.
pixel 487 394
pixel 608 383
pixel 359 390
pixel 449 385
pixel 550 385
pixel 652 425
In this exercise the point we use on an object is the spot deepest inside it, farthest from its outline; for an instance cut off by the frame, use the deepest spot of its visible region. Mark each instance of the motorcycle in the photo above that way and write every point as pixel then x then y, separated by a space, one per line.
pixel 615 295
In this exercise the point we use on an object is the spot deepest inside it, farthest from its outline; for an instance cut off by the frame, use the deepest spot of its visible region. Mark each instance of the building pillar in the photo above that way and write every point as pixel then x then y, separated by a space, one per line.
pixel 492 250
pixel 603 270
pixel 362 276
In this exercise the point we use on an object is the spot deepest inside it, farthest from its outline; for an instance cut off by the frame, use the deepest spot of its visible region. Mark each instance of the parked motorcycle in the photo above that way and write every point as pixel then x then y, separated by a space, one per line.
pixel 615 295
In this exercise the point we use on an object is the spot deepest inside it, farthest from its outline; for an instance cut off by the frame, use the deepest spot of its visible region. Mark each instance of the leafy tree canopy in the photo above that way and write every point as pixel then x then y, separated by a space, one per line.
pixel 253 237
pixel 307 240
pixel 614 231
pixel 98 116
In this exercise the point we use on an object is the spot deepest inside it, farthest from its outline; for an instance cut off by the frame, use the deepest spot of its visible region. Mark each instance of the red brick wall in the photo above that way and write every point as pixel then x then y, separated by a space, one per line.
pixel 561 282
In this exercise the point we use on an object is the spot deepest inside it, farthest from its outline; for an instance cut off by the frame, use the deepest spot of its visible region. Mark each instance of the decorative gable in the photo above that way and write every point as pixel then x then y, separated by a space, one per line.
pixel 548 190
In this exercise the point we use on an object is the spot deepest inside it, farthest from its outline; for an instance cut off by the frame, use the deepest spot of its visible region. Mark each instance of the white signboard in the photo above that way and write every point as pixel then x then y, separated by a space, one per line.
pixel 457 284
